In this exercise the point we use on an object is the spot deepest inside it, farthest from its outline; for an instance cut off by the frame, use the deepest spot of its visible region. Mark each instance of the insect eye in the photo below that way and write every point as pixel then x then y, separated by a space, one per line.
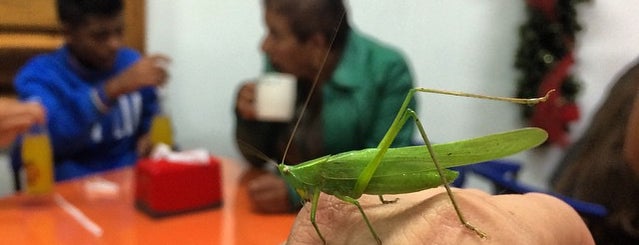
pixel 302 193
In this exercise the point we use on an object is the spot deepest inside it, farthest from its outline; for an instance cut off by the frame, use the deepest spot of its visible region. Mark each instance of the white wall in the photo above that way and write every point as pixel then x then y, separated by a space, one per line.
pixel 466 45
pixel 213 45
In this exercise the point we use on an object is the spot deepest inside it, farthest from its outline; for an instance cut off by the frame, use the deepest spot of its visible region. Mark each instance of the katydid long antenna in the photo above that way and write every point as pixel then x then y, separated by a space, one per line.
pixel 313 87
pixel 259 154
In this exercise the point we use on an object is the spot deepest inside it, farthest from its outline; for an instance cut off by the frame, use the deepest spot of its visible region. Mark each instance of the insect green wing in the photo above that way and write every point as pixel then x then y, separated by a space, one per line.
pixel 451 154
pixel 341 171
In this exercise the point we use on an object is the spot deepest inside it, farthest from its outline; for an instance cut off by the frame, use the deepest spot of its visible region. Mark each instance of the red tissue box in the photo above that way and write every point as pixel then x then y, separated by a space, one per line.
pixel 166 188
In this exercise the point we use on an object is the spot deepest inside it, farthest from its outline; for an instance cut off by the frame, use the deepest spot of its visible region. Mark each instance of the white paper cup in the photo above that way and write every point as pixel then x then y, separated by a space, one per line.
pixel 275 97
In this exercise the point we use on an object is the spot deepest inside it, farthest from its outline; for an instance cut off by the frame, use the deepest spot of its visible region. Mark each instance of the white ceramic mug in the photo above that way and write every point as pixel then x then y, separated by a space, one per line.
pixel 275 97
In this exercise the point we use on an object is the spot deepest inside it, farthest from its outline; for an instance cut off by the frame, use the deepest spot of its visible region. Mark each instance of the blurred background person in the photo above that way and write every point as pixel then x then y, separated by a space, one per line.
pixel 99 96
pixel 598 167
pixel 361 86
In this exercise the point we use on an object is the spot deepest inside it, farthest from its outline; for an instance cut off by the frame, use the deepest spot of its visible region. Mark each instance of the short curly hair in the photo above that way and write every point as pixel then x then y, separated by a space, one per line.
pixel 76 12
pixel 311 16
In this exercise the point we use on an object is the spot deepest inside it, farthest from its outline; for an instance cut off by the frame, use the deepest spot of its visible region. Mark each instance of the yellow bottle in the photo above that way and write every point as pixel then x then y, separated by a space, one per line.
pixel 37 159
pixel 161 131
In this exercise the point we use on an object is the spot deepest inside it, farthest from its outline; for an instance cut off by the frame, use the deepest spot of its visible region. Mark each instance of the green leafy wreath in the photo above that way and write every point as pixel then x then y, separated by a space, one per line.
pixel 544 57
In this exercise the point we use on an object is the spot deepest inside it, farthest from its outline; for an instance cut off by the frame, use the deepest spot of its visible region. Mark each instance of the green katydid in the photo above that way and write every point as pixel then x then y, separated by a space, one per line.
pixel 385 170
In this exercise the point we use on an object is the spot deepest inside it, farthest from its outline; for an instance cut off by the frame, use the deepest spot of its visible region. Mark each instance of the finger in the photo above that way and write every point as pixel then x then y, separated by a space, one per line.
pixel 161 74
pixel 32 112
pixel 160 60
pixel 250 87
pixel 159 77
pixel 247 91
pixel 36 111
pixel 19 123
pixel 246 109
pixel 144 147
pixel 247 114
pixel 6 137
pixel 245 102
pixel 247 94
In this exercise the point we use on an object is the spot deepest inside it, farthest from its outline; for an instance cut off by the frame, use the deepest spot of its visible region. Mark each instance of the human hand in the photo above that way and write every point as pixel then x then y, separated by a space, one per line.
pixel 427 217
pixel 17 117
pixel 148 71
pixel 245 103
pixel 268 193
pixel 144 145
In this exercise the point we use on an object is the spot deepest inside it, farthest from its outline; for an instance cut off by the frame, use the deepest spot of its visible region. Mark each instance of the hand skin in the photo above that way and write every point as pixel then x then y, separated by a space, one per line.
pixel 148 71
pixel 144 145
pixel 268 194
pixel 245 102
pixel 17 117
pixel 427 217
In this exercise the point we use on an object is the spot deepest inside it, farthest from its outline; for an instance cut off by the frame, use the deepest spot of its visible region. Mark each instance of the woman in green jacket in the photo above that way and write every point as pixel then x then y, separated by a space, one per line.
pixel 361 85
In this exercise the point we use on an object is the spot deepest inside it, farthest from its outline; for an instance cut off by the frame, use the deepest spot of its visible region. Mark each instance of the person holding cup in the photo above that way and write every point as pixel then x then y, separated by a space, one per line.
pixel 361 85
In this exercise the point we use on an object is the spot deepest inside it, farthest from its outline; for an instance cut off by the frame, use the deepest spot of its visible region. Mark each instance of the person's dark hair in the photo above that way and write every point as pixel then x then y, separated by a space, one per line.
pixel 594 169
pixel 75 12
pixel 310 16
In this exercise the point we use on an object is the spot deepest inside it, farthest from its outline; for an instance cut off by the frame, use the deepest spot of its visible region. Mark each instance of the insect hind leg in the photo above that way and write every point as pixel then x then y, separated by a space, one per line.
pixel 431 153
pixel 385 201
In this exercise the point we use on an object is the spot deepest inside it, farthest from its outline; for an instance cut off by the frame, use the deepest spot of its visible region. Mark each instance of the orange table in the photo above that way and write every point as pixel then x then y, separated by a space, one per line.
pixel 113 214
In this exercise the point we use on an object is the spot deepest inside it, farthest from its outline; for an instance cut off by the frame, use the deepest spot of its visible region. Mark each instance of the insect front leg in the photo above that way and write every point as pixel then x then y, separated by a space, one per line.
pixel 361 210
pixel 314 202
pixel 431 152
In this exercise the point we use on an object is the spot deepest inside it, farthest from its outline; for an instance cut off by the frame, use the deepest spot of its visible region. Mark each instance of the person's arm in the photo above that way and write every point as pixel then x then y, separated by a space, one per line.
pixel 149 71
pixel 145 75
pixel 427 217
pixel 70 112
pixel 150 108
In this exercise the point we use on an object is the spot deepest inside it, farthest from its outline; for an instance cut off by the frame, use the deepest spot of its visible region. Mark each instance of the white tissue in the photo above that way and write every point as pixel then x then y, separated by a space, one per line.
pixel 164 152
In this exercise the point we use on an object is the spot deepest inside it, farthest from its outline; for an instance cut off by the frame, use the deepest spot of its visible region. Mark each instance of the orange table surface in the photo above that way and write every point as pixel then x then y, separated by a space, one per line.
pixel 23 221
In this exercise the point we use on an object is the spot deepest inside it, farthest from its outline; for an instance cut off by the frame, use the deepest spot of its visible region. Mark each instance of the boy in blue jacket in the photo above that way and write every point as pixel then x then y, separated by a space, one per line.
pixel 99 96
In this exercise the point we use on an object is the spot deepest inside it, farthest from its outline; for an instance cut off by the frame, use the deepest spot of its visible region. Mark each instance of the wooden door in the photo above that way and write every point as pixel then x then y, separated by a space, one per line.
pixel 29 27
